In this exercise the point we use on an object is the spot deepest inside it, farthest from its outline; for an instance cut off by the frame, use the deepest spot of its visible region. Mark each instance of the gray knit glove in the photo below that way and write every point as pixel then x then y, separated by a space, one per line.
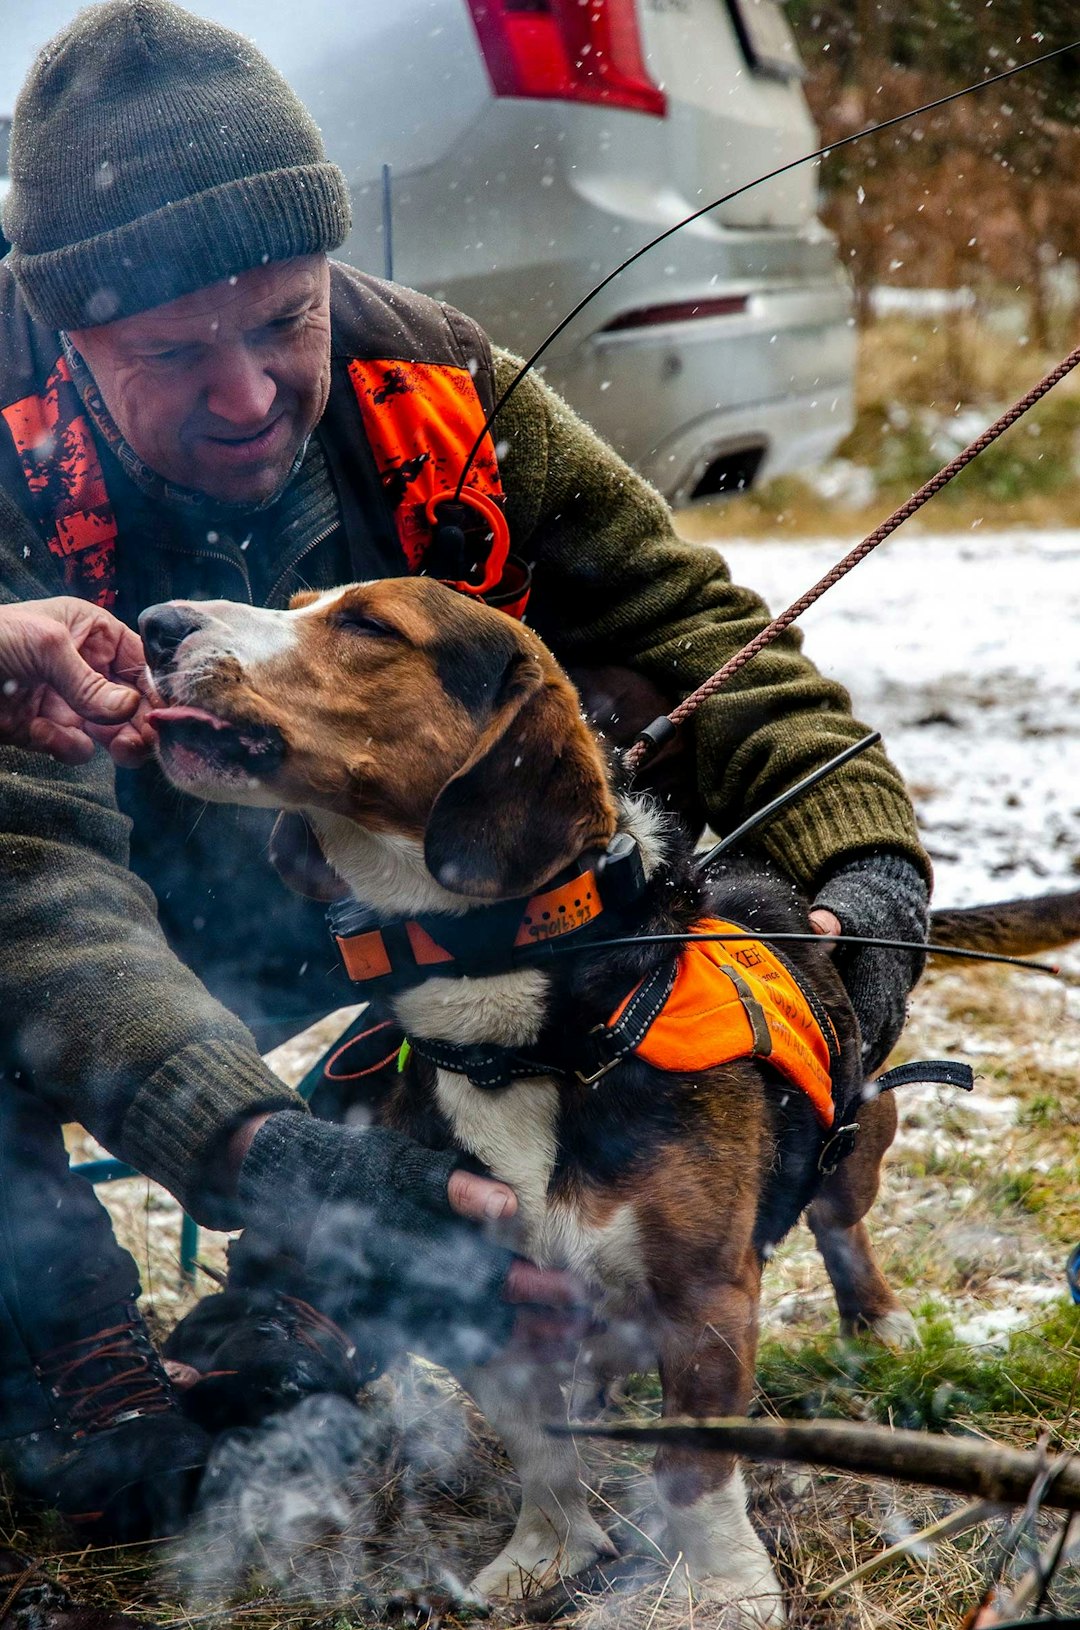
pixel 881 894
pixel 365 1215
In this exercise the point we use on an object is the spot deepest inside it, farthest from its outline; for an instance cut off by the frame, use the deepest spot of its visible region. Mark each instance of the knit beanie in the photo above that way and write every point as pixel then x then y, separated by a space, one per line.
pixel 153 153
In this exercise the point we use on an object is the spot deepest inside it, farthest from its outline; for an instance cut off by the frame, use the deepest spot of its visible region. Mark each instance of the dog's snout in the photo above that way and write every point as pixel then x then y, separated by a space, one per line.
pixel 164 629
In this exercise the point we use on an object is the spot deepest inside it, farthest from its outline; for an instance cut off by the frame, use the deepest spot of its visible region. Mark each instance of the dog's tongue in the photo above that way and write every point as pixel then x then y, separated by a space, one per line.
pixel 184 715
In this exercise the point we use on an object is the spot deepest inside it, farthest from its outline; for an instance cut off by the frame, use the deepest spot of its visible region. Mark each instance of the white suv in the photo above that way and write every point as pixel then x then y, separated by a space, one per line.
pixel 532 145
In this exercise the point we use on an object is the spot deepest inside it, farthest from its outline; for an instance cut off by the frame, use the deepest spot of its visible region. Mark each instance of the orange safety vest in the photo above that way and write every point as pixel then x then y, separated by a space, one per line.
pixel 737 999
pixel 421 420
pixel 62 469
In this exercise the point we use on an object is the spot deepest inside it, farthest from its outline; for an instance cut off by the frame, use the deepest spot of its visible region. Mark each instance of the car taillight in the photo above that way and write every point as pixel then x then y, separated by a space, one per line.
pixel 567 50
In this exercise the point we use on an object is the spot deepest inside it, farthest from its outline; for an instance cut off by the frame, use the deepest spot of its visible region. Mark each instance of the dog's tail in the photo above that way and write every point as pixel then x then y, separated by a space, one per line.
pixel 1011 927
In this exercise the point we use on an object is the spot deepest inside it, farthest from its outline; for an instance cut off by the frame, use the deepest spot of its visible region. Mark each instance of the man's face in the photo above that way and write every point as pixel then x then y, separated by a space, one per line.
pixel 217 390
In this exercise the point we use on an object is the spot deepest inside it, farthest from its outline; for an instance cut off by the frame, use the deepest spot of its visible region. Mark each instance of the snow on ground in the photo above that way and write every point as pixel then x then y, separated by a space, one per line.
pixel 965 653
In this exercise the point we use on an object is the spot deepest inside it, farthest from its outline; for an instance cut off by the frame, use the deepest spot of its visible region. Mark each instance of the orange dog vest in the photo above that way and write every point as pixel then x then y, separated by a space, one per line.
pixel 737 999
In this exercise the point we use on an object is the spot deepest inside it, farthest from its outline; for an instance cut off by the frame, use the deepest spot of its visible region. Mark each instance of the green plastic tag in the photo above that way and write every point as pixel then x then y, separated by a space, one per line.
pixel 404 1052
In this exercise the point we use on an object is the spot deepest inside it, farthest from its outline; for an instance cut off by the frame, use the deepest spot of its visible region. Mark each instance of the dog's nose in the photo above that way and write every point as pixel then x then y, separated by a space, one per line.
pixel 164 628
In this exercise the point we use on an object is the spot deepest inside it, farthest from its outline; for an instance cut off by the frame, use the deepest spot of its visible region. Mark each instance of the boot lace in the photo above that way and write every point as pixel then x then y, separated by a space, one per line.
pixel 314 1328
pixel 106 1378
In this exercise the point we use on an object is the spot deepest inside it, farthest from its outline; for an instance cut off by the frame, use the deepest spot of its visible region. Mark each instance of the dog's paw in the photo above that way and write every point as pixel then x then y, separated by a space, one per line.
pixel 536 1557
pixel 754 1600
pixel 896 1329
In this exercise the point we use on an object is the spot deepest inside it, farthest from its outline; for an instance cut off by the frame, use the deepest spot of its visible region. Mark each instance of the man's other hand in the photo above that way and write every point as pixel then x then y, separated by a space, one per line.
pixel 878 895
pixel 68 676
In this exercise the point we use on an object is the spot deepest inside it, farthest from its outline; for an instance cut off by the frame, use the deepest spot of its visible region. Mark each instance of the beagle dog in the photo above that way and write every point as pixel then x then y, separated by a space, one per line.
pixel 438 752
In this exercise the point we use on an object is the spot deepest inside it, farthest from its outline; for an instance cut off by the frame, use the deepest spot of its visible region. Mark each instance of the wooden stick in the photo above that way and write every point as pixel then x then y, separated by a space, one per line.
pixel 989 1471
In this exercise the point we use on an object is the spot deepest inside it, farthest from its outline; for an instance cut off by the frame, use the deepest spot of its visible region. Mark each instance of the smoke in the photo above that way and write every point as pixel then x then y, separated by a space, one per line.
pixel 333 1502
pixel 285 1502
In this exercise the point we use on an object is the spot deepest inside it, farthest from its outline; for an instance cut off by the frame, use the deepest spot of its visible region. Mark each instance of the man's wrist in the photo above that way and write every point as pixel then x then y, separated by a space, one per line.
pixel 230 1153
pixel 238 1145
pixel 880 893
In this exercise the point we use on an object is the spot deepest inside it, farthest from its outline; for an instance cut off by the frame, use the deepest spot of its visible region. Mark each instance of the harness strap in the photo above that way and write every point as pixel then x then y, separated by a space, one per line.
pixel 492 1067
pixel 608 1045
pixel 944 1072
pixel 489 1067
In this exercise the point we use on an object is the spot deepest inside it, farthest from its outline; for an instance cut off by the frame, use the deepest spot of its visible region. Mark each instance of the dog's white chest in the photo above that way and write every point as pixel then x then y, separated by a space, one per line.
pixel 513 1132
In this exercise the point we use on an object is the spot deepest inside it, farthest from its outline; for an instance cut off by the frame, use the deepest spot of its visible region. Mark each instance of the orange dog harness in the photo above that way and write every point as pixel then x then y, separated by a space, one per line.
pixel 729 1001
pixel 713 1003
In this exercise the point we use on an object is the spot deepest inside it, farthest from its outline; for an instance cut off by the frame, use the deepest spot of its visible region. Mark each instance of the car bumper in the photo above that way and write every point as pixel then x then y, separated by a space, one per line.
pixel 679 398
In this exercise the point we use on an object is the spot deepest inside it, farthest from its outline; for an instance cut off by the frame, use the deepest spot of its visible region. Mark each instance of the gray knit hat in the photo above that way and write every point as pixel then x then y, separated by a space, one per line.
pixel 153 153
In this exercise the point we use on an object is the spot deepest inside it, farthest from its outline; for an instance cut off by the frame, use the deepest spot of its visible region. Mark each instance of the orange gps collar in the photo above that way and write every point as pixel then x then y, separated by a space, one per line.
pixel 489 938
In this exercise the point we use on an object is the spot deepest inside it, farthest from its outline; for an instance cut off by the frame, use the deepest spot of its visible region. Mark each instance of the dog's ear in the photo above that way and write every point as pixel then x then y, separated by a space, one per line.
pixel 296 855
pixel 530 798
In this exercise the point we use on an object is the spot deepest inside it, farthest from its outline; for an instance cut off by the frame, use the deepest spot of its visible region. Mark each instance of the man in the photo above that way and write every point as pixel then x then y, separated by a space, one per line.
pixel 195 402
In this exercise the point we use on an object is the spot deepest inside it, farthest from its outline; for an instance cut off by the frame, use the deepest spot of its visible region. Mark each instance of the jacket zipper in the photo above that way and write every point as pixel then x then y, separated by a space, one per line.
pixel 174 548
pixel 313 543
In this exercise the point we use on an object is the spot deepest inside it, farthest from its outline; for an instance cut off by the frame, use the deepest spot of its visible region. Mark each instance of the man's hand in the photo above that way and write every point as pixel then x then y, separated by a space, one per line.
pixel 377 1183
pixel 368 1219
pixel 480 1199
pixel 826 923
pixel 877 895
pixel 68 673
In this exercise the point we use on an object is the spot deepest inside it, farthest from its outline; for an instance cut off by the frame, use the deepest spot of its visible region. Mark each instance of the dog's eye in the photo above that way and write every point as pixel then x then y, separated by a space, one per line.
pixel 358 622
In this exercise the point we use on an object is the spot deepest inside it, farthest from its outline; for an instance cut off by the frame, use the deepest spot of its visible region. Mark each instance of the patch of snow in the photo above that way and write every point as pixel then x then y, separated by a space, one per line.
pixel 992 1327
pixel 963 652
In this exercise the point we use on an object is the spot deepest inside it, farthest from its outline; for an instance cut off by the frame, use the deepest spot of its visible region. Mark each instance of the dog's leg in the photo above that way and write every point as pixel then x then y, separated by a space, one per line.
pixel 863 1296
pixel 555 1535
pixel 707 1368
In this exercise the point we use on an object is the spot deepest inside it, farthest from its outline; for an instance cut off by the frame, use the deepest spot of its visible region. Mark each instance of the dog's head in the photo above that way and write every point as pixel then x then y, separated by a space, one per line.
pixel 409 710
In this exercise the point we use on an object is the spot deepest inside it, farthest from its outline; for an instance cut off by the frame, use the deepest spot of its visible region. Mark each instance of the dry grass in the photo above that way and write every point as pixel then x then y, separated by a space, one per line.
pixel 981 1199
pixel 914 374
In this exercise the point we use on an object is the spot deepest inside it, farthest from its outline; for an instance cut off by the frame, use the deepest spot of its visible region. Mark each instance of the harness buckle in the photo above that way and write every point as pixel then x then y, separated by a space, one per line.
pixel 838 1148
pixel 591 1080
pixel 603 1069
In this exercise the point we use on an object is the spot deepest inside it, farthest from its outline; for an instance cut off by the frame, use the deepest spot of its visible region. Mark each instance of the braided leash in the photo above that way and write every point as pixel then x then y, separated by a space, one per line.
pixel 663 728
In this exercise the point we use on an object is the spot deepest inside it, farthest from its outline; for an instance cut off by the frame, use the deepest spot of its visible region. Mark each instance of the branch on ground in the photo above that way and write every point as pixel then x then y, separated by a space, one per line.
pixel 989 1471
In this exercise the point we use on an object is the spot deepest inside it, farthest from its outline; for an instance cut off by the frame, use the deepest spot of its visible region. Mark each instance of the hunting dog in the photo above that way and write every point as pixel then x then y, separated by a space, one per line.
pixel 439 753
